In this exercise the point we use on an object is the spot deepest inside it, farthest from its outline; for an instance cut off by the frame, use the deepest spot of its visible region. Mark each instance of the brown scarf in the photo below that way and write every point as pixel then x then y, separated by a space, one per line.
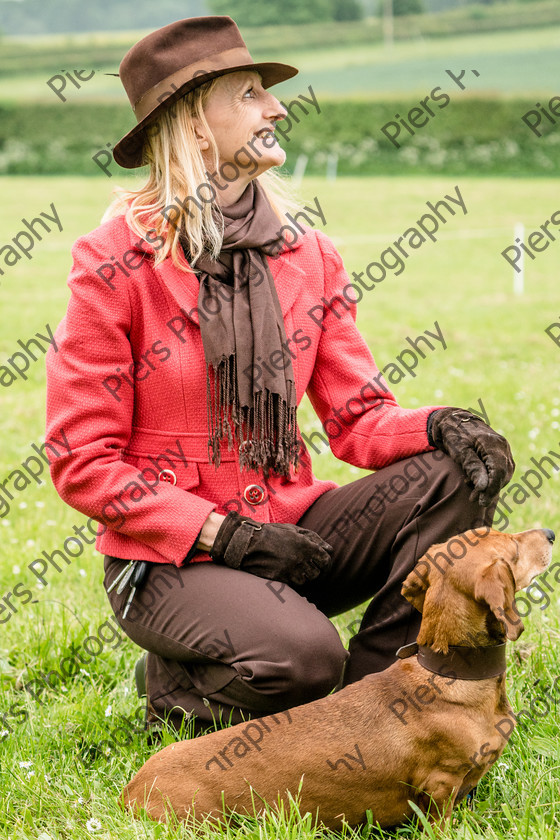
pixel 251 393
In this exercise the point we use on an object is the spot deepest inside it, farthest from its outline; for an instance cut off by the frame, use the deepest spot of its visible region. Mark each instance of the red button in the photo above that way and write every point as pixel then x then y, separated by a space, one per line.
pixel 254 494
pixel 168 475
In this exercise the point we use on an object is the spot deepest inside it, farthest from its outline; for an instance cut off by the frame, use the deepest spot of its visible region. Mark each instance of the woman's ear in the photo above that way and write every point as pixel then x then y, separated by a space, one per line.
pixel 200 134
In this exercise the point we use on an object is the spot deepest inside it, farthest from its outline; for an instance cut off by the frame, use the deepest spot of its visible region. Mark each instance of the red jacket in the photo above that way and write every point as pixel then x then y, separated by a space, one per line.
pixel 127 387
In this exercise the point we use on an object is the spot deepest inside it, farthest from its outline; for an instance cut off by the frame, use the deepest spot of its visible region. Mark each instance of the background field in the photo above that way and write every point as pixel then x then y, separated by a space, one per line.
pixel 497 352
pixel 66 751
pixel 519 61
pixel 360 85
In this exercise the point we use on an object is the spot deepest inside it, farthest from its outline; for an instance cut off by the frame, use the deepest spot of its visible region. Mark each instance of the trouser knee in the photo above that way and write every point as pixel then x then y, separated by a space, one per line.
pixel 315 669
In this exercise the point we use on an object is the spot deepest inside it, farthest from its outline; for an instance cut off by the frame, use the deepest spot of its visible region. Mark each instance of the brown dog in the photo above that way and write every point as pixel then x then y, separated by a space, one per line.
pixel 427 728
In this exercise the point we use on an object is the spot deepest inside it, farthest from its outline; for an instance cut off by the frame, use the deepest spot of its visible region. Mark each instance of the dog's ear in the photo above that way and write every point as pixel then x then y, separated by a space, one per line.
pixel 496 587
pixel 414 588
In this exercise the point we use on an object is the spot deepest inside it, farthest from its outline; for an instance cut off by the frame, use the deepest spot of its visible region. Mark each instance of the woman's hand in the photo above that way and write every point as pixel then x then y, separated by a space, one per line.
pixel 270 550
pixel 483 455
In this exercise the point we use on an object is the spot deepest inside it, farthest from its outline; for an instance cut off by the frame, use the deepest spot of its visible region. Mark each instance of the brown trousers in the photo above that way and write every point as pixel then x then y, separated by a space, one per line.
pixel 227 645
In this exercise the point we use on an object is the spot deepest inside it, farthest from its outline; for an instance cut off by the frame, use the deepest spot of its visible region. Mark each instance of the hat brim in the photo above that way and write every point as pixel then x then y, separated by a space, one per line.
pixel 128 152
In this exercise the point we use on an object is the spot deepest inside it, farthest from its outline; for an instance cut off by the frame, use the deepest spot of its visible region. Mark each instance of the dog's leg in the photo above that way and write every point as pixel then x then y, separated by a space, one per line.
pixel 436 799
pixel 469 783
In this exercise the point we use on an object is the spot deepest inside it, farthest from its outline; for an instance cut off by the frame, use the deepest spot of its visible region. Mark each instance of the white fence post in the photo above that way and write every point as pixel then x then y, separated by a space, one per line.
pixel 519 276
pixel 299 169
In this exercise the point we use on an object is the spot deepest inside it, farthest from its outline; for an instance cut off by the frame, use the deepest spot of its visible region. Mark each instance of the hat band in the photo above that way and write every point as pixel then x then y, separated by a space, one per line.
pixel 226 60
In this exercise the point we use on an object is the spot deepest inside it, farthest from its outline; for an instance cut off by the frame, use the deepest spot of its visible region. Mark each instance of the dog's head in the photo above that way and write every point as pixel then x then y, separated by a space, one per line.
pixel 465 587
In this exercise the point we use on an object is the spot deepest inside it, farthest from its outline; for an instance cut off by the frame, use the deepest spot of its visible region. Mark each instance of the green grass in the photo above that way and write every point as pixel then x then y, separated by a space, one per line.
pixel 497 351
pixel 523 61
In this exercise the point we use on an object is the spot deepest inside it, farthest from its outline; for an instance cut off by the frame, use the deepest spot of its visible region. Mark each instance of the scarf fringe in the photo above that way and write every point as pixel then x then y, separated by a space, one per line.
pixel 265 433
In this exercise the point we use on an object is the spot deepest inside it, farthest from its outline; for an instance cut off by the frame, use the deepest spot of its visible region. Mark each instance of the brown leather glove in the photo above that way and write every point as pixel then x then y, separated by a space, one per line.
pixel 270 550
pixel 483 455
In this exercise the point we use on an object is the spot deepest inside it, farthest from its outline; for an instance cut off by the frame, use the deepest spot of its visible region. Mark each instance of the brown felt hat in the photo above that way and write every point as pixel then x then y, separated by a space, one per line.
pixel 174 60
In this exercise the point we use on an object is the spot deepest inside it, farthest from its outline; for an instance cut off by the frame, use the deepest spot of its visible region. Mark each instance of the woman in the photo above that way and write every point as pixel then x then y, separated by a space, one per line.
pixel 187 345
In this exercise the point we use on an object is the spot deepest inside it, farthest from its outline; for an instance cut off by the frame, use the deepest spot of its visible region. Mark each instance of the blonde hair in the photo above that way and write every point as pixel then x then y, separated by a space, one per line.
pixel 171 202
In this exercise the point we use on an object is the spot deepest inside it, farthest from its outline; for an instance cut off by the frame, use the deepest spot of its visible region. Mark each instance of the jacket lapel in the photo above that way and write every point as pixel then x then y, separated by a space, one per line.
pixel 288 279
pixel 183 288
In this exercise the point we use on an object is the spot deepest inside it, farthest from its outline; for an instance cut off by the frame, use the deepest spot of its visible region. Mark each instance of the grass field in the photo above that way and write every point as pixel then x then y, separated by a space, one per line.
pixel 55 782
pixel 520 62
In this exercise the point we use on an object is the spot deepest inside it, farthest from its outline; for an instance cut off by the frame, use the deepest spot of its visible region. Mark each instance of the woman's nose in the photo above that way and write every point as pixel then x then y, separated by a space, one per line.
pixel 274 110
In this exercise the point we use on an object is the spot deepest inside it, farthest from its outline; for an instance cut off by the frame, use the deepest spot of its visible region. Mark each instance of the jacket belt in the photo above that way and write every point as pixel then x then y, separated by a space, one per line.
pixel 194 445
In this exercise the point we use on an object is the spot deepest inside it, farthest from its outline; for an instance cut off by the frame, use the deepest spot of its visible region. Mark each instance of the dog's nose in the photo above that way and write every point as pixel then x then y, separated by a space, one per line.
pixel 550 535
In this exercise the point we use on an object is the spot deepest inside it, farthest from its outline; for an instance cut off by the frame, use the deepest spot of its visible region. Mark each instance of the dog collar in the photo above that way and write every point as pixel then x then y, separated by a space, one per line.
pixel 460 663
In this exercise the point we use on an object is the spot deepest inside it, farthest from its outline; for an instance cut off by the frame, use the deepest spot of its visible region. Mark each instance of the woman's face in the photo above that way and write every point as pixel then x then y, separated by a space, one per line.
pixel 241 115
